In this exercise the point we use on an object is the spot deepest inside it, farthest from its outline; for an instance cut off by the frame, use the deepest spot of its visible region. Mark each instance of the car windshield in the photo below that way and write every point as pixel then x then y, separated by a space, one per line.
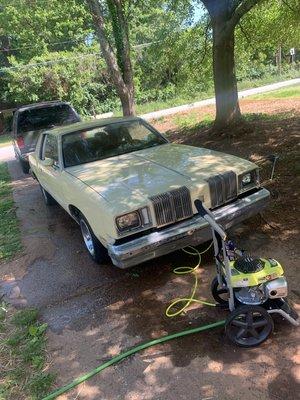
pixel 108 141
pixel 36 119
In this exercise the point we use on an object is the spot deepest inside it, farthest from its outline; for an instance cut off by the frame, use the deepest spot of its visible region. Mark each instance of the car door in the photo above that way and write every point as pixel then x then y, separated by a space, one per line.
pixel 50 173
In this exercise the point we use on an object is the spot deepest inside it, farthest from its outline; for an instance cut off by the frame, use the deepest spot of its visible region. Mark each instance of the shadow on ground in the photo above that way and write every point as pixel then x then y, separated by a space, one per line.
pixel 94 313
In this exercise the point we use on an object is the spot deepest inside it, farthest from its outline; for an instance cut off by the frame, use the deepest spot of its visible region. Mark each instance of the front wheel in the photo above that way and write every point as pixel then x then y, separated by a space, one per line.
pixel 96 250
pixel 48 199
pixel 249 326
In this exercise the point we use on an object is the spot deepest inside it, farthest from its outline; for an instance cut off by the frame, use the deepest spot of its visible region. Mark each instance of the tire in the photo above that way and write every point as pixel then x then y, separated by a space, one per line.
pixel 48 199
pixel 24 166
pixel 94 247
pixel 216 291
pixel 249 326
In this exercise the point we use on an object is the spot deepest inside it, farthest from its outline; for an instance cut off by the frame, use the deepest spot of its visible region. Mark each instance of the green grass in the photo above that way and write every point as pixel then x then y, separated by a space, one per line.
pixel 5 140
pixel 174 102
pixel 191 120
pixel 291 92
pixel 10 237
pixel 181 99
pixel 23 361
pixel 267 80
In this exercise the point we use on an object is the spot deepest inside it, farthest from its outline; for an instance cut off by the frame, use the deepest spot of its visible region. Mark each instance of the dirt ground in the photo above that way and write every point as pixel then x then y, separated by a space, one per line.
pixel 94 313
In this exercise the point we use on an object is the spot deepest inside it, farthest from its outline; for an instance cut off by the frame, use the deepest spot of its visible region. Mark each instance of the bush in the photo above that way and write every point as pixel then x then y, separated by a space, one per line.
pixel 81 81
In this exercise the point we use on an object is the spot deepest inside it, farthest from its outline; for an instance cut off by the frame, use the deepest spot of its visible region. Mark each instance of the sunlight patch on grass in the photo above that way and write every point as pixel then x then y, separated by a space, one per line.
pixel 185 120
pixel 10 237
pixel 291 92
pixel 192 120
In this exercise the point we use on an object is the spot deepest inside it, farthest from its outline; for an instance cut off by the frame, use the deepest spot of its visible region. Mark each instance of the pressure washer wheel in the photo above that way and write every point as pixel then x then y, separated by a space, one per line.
pixel 249 326
pixel 220 293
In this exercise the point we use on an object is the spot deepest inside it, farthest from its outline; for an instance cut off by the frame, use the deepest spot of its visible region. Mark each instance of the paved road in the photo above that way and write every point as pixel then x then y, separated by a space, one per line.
pixel 211 101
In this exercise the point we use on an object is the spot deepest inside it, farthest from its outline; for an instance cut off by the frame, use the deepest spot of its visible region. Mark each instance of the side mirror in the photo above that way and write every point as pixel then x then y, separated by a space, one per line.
pixel 47 162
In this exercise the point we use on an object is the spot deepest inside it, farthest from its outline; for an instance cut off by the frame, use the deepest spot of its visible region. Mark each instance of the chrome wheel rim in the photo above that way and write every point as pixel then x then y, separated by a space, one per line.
pixel 87 237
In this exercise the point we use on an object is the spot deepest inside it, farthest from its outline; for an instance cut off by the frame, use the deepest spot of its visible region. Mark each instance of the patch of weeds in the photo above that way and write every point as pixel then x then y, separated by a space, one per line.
pixel 191 121
pixel 10 238
pixel 252 117
pixel 24 373
pixel 39 383
pixel 25 317
pixel 206 121
pixel 186 120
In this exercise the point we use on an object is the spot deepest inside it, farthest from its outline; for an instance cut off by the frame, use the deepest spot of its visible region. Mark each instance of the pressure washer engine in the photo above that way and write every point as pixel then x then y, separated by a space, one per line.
pixel 252 288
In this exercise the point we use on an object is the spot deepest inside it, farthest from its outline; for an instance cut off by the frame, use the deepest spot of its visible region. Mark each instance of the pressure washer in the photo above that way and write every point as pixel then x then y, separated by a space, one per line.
pixel 252 288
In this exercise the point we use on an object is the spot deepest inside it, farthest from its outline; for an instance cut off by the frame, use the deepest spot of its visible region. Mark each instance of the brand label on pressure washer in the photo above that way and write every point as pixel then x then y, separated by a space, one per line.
pixel 242 283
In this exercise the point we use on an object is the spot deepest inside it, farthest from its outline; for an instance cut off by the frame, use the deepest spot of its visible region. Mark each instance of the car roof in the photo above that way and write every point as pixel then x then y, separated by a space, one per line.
pixel 78 126
pixel 40 105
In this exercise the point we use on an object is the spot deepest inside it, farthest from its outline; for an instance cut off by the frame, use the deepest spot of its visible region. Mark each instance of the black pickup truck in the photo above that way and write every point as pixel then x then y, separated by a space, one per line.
pixel 30 120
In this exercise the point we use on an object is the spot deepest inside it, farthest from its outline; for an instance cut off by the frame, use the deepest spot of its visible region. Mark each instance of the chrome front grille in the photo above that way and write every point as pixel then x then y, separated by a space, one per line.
pixel 172 206
pixel 222 188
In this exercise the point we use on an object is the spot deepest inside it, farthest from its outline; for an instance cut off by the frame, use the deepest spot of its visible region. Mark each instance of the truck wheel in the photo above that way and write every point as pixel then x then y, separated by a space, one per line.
pixel 48 199
pixel 249 326
pixel 96 250
pixel 24 166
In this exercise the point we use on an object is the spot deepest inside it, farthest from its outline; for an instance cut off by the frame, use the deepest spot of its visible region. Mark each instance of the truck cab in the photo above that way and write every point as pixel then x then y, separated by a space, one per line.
pixel 30 120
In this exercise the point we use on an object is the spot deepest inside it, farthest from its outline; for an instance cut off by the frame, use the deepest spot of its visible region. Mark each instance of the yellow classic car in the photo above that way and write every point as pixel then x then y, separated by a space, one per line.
pixel 132 192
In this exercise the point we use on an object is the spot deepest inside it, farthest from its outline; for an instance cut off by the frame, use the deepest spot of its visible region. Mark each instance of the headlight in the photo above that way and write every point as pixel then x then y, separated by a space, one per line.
pixel 246 179
pixel 249 180
pixel 128 221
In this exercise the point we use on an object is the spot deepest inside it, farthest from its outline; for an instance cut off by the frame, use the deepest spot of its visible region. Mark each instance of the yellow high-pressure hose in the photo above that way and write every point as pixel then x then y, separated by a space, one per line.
pixel 184 271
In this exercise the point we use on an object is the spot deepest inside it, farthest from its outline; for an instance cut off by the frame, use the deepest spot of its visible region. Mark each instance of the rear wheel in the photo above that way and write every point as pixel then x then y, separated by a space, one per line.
pixel 24 166
pixel 48 199
pixel 96 250
pixel 249 326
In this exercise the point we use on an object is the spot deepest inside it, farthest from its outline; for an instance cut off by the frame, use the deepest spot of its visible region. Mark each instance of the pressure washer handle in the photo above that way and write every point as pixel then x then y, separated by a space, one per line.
pixel 209 217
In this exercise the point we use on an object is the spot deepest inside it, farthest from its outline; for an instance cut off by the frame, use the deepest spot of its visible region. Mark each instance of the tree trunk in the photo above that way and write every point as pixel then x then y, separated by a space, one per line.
pixel 227 105
pixel 127 100
pixel 123 82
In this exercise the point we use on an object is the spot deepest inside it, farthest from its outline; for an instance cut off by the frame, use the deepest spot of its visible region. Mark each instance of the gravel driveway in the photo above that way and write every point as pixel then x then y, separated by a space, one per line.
pixel 93 313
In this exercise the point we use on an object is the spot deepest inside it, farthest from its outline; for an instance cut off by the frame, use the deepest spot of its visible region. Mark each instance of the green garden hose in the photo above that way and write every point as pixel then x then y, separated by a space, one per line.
pixel 169 313
pixel 128 353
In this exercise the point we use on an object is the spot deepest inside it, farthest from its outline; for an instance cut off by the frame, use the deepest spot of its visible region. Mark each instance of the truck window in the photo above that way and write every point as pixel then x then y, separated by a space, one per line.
pixel 42 118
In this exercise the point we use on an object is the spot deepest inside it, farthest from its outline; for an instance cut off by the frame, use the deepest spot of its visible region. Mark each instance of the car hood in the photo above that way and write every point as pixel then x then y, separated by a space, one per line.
pixel 130 179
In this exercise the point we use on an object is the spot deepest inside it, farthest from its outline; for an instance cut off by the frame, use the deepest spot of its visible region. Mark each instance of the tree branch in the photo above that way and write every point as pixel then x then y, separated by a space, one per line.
pixel 205 41
pixel 210 6
pixel 240 11
pixel 123 26
pixel 106 49
pixel 288 6
pixel 246 35
pixel 235 4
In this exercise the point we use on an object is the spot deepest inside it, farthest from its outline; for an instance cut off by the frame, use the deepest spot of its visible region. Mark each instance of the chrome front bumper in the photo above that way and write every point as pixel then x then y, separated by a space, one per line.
pixel 187 233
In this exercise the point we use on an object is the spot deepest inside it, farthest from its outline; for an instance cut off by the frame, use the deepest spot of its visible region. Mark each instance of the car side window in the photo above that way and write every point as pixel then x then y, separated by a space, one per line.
pixel 50 148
